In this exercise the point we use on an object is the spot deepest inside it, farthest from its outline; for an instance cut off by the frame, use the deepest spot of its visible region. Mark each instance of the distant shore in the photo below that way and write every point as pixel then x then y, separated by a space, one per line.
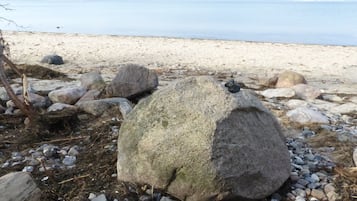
pixel 328 67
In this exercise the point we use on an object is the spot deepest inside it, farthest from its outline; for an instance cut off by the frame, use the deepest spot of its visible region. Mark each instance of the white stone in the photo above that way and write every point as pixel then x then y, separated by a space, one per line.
pixel 295 103
pixel 278 93
pixel 347 108
pixel 355 156
pixel 305 115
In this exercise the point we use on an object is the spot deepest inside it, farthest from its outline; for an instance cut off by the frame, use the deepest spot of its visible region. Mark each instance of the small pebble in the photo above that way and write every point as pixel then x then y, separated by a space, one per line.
pixel 69 160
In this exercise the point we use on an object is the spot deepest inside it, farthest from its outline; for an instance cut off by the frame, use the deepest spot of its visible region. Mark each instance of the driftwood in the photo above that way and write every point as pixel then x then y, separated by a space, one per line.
pixel 25 106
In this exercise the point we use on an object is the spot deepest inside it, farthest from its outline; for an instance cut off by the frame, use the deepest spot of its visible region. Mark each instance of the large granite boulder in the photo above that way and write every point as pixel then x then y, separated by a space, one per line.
pixel 198 141
pixel 18 186
pixel 132 80
pixel 289 78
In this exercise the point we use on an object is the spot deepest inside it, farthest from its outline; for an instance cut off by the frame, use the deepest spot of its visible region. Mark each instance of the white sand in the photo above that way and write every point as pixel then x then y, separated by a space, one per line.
pixel 329 66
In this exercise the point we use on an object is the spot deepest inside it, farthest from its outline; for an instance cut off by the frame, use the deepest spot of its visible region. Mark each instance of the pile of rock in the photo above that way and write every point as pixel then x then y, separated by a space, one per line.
pixel 198 140
pixel 131 81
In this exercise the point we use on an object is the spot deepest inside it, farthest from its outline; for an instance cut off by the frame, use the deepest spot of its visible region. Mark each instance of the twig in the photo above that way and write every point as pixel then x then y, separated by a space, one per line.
pixel 74 178
pixel 12 65
pixel 63 139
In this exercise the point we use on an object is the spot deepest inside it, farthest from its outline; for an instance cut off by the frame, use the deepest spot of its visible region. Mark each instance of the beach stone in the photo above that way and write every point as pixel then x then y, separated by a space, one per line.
pixel 92 94
pixel 36 101
pixel 132 80
pixel 332 196
pixel 353 99
pixel 289 79
pixel 62 107
pixel 278 93
pixel 329 188
pixel 201 142
pixel 92 80
pixel 100 197
pixel 16 88
pixel 332 98
pixel 52 59
pixel 347 108
pixel 67 95
pixel 304 115
pixel 306 92
pixel 323 105
pixel 295 103
pixel 99 107
pixel 18 186
pixel 318 194
pixel 46 86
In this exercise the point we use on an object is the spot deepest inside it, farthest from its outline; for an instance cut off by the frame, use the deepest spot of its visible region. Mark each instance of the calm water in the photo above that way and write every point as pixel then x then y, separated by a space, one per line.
pixel 328 22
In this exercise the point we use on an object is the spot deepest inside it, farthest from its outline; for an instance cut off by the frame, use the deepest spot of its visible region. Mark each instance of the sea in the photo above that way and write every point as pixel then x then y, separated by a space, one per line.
pixel 320 22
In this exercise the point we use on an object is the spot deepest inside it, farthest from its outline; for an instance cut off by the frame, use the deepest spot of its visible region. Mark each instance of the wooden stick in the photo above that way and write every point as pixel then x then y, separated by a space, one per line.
pixel 12 65
pixel 74 178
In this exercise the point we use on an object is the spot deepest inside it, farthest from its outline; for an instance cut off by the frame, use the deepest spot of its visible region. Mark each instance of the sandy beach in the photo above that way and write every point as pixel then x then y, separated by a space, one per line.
pixel 331 68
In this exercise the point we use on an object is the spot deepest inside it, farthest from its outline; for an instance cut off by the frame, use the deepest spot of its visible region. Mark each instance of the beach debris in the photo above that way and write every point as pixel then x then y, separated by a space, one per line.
pixel 131 81
pixel 92 80
pixel 232 86
pixel 355 156
pixel 52 59
pixel 306 92
pixel 19 186
pixel 198 115
pixel 289 78
pixel 67 95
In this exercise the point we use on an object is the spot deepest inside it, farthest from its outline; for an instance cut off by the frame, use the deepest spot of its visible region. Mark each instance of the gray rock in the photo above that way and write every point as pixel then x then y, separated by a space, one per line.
pixel 16 88
pixel 52 59
pixel 100 197
pixel 353 99
pixel 332 196
pixel 67 95
pixel 89 96
pixel 73 151
pixel 18 186
pixel 322 105
pixel 300 198
pixel 304 115
pixel 56 107
pixel 329 188
pixel 69 160
pixel 295 103
pixel 289 79
pixel 306 92
pixel 347 108
pixel 92 80
pixel 46 86
pixel 98 107
pixel 278 93
pixel 132 80
pixel 201 142
pixel 319 194
pixel 332 98
pixel 164 198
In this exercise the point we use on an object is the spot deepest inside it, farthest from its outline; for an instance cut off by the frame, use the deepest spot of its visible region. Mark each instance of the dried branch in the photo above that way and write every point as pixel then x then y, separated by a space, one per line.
pixel 26 109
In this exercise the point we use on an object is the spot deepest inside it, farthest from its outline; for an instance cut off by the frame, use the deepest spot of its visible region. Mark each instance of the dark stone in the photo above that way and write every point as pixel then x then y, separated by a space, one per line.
pixel 52 59
pixel 232 86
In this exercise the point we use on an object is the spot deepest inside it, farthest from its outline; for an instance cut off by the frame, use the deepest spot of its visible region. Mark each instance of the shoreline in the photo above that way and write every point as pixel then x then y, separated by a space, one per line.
pixel 179 38
pixel 327 67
